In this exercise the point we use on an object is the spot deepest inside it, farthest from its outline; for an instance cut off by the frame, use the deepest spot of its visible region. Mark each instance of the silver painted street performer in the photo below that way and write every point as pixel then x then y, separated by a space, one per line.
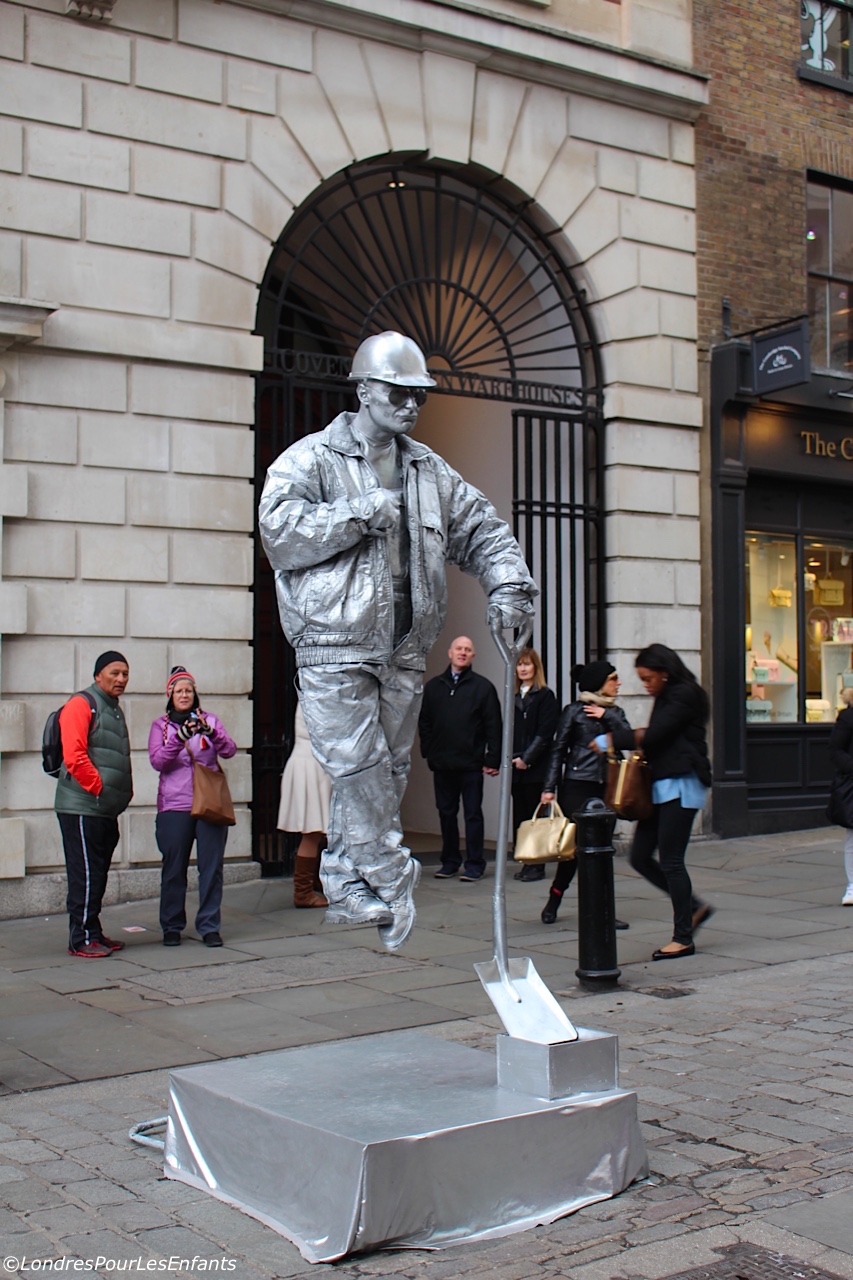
pixel 358 522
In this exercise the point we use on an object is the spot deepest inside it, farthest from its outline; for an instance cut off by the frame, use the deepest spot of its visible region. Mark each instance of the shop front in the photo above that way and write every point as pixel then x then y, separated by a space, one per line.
pixel 782 629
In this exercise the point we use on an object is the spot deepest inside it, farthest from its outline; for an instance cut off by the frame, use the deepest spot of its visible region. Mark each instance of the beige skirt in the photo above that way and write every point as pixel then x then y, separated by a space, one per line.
pixel 305 788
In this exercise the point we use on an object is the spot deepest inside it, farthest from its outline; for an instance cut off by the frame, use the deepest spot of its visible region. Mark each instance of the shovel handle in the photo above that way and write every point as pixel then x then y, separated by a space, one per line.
pixel 510 654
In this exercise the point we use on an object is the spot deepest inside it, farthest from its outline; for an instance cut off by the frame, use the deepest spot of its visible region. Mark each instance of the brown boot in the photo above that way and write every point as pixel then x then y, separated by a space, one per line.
pixel 304 894
pixel 318 883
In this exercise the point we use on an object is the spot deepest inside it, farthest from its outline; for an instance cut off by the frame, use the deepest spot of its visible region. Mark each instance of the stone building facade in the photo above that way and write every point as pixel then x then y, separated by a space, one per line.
pixel 153 154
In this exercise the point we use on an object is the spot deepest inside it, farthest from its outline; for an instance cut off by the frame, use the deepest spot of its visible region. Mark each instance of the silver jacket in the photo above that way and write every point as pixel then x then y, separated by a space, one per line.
pixel 333 580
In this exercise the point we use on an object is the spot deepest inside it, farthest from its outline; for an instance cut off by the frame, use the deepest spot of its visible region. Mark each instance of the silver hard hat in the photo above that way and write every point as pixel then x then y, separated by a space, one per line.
pixel 391 357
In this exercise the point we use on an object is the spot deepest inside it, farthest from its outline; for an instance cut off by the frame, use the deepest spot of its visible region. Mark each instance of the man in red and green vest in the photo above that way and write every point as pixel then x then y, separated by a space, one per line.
pixel 94 786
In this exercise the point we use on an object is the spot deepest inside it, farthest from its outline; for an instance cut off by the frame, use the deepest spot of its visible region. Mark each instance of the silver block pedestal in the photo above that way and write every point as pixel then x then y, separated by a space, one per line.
pixel 403 1140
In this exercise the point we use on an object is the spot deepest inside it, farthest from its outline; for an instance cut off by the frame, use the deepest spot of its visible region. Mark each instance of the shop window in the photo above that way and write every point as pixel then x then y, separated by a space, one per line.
pixel 795 591
pixel 829 245
pixel 828 597
pixel 825 33
pixel 772 607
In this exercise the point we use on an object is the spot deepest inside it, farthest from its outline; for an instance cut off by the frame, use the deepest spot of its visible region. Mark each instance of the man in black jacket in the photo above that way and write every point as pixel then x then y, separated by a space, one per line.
pixel 460 732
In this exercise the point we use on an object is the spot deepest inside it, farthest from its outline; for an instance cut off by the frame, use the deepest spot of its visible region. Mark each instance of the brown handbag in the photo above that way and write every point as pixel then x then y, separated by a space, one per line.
pixel 628 791
pixel 211 796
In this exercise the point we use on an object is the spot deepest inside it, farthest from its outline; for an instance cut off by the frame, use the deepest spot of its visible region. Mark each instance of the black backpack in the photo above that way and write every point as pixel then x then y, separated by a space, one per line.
pixel 51 738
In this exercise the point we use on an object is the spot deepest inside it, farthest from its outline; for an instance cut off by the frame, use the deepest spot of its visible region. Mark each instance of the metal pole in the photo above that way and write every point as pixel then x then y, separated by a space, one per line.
pixel 597 965
pixel 509 653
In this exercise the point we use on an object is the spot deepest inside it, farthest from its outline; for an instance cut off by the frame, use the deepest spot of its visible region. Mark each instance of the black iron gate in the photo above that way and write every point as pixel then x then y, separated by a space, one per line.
pixel 558 518
pixel 287 408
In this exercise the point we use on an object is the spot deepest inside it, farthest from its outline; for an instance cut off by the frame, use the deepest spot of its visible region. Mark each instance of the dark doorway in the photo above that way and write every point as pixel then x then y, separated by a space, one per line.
pixel 466 267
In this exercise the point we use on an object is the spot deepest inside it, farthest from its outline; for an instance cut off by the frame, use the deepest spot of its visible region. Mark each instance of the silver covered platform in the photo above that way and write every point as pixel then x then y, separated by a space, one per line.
pixel 399 1140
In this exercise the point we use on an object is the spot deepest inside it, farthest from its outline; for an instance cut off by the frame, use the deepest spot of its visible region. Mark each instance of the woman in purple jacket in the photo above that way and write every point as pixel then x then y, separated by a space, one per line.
pixel 186 733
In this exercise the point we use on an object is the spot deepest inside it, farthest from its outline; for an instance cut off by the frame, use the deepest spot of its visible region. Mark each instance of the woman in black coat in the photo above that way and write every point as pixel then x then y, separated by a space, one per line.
pixel 674 743
pixel 841 755
pixel 535 721
pixel 575 770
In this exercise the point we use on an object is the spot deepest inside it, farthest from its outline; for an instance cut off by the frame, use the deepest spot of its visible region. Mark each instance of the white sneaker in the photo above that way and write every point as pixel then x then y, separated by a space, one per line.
pixel 847 900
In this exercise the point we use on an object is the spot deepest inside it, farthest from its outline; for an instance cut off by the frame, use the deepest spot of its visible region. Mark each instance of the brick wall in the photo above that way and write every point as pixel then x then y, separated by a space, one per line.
pixel 764 128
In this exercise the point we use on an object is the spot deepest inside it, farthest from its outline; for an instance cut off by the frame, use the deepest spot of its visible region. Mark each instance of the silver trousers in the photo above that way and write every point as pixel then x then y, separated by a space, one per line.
pixel 362 720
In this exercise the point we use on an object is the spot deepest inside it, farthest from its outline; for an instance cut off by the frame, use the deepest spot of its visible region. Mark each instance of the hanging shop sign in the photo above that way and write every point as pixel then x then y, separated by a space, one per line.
pixel 781 358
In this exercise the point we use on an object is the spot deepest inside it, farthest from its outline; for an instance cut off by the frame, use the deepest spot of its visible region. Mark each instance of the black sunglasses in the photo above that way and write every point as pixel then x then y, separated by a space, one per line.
pixel 398 396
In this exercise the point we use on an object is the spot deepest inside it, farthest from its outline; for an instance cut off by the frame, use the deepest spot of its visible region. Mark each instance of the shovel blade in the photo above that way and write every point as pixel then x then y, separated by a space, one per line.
pixel 524 1004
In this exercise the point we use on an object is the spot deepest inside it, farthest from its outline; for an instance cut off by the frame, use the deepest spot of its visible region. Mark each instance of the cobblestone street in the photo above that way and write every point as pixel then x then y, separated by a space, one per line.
pixel 741 1058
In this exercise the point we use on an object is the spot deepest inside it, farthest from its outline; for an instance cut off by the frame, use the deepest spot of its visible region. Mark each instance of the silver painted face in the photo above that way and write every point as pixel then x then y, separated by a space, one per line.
pixel 388 411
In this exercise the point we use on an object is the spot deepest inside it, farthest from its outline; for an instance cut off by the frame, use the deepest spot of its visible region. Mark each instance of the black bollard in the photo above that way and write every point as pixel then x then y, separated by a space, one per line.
pixel 597 967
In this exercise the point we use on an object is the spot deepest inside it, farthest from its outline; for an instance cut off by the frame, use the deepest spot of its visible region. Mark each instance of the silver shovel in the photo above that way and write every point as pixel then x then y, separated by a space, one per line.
pixel 524 1004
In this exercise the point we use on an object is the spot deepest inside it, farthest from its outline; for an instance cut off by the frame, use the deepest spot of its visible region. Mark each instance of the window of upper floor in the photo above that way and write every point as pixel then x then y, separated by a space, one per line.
pixel 826 28
pixel 829 256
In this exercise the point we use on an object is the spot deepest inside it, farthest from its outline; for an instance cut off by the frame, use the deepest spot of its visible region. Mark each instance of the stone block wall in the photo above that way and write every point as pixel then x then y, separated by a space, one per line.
pixel 146 170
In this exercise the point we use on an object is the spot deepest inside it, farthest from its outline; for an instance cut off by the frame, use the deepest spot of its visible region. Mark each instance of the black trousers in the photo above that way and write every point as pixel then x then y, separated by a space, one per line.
pixel 89 843
pixel 525 796
pixel 176 832
pixel 571 797
pixel 451 786
pixel 668 831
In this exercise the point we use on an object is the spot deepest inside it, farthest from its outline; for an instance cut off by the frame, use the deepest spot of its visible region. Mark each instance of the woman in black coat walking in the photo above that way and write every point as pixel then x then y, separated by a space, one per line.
pixel 575 771
pixel 840 808
pixel 675 746
pixel 533 731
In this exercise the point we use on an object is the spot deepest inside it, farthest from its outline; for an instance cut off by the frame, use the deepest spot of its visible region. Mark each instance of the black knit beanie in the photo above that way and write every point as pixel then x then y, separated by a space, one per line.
pixel 111 655
pixel 592 677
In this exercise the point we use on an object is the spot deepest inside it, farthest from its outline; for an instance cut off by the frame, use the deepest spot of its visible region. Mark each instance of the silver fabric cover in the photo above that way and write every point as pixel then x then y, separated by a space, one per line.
pixel 393 1141
pixel 362 721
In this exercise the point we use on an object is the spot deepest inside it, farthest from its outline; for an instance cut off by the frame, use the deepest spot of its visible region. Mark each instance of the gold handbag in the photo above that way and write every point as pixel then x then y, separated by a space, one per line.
pixel 545 839
pixel 829 591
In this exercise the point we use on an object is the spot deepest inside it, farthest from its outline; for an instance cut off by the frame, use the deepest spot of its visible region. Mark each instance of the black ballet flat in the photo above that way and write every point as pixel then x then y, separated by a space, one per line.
pixel 689 950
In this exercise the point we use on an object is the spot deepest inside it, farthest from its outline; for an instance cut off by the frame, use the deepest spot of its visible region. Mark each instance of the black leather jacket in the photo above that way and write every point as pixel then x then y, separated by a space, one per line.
pixel 571 751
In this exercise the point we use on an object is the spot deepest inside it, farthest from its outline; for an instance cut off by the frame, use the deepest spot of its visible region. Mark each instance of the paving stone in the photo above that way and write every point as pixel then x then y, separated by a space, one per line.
pixel 100 1192
pixel 62 1172
pixel 29 1194
pixel 102 1243
pixel 10 1223
pixel 61 1221
pixel 174 1241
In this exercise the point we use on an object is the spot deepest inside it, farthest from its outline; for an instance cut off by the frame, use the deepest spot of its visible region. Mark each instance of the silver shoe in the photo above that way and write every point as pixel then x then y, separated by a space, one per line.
pixel 360 906
pixel 393 935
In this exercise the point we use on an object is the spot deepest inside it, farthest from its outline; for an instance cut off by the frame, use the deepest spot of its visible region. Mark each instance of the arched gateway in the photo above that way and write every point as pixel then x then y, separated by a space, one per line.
pixel 459 261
